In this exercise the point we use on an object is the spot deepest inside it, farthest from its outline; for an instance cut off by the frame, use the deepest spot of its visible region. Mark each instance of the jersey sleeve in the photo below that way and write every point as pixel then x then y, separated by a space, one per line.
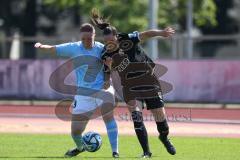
pixel 134 36
pixel 66 49
pixel 104 54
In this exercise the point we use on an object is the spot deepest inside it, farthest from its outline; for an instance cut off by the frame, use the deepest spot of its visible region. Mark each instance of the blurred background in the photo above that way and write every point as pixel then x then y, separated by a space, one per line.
pixel 202 58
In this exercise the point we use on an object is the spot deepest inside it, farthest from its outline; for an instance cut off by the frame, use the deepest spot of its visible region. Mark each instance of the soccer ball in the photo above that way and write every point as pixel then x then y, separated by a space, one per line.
pixel 92 141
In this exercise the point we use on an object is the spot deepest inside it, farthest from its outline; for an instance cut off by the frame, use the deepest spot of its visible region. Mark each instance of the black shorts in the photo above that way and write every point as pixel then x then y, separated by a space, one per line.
pixel 153 103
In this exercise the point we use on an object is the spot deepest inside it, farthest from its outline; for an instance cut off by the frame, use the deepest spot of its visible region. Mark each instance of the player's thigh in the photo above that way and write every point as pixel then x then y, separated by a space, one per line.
pixel 82 112
pixel 106 102
pixel 134 105
pixel 107 117
pixel 159 114
pixel 83 105
pixel 105 98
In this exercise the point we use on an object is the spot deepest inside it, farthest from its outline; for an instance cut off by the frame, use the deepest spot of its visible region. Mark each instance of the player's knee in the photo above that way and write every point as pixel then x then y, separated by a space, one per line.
pixel 131 109
pixel 138 121
pixel 137 116
pixel 161 104
pixel 134 108
pixel 108 117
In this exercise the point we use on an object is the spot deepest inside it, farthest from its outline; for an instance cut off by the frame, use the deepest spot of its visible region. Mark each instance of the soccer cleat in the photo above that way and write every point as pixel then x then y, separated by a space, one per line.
pixel 147 155
pixel 168 145
pixel 73 152
pixel 115 155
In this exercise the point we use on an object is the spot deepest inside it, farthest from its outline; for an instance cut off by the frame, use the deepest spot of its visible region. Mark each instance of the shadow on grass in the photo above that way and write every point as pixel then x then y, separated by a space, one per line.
pixel 40 157
pixel 87 157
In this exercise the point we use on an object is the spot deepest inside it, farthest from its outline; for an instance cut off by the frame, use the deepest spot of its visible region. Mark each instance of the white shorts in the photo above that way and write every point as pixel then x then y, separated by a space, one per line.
pixel 83 104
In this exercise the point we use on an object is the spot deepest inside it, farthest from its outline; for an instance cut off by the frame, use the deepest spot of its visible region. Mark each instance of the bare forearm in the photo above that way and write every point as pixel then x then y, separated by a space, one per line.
pixel 152 33
pixel 45 47
pixel 167 32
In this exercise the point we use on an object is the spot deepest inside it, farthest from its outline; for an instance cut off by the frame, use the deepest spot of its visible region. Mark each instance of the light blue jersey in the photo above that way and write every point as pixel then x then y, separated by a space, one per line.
pixel 90 75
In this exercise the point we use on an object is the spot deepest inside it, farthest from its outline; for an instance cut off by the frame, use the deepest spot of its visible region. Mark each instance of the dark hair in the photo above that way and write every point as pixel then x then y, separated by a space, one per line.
pixel 102 23
pixel 87 27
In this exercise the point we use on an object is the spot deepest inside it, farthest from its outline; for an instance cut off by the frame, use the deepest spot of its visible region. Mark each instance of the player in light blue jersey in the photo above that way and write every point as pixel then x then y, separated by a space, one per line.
pixel 90 77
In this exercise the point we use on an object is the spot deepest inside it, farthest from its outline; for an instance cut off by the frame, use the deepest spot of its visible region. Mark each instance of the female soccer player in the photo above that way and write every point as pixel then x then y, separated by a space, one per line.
pixel 124 54
pixel 86 77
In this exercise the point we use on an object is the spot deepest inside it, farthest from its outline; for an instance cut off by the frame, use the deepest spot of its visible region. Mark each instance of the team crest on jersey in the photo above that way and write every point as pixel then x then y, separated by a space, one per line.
pixel 126 45
pixel 111 46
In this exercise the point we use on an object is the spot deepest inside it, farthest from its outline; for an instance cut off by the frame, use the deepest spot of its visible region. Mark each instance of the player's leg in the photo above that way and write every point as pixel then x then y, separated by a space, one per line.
pixel 156 105
pixel 80 118
pixel 78 125
pixel 112 131
pixel 135 109
pixel 139 127
pixel 77 128
pixel 107 106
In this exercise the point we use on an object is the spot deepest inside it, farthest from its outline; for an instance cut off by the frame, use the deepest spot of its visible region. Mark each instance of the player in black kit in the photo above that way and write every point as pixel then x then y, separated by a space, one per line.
pixel 124 55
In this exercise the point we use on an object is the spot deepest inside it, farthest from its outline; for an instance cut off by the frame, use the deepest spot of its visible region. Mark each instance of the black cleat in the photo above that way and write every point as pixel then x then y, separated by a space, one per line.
pixel 115 155
pixel 146 155
pixel 168 145
pixel 73 152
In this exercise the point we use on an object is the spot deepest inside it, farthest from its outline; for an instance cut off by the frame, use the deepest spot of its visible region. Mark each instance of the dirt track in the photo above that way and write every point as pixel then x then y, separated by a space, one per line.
pixel 183 122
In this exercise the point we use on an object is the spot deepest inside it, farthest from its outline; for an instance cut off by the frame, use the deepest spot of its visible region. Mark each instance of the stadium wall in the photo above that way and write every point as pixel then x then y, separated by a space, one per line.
pixel 193 81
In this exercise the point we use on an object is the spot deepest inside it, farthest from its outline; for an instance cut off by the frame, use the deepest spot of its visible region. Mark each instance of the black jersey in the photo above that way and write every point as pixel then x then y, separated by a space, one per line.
pixel 128 51
pixel 134 67
pixel 129 43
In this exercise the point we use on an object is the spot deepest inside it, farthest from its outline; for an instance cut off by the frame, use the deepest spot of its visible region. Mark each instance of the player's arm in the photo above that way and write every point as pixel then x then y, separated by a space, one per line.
pixel 107 61
pixel 107 71
pixel 45 47
pixel 107 79
pixel 167 32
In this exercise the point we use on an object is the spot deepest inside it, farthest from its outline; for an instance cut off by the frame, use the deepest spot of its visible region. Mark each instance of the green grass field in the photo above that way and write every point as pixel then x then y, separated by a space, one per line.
pixel 31 146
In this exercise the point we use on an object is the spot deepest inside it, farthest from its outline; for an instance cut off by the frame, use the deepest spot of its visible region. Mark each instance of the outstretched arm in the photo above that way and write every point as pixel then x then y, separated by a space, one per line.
pixel 48 48
pixel 167 32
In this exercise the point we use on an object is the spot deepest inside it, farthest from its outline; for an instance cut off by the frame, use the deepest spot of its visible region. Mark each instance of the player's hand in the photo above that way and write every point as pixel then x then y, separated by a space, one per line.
pixel 37 45
pixel 168 32
pixel 108 62
pixel 106 85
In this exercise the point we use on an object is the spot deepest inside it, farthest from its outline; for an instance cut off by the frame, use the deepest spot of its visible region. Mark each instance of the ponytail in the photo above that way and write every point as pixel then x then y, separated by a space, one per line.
pixel 98 20
pixel 102 23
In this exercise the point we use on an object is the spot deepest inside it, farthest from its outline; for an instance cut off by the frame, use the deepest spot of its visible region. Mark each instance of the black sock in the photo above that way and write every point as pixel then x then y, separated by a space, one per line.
pixel 140 130
pixel 163 128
